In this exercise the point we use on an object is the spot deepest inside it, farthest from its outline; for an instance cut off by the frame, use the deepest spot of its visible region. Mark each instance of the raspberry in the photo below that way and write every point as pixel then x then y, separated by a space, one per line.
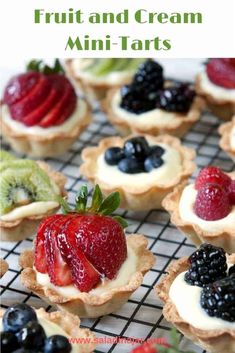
pixel 212 202
pixel 232 192
pixel 221 73
pixel 214 175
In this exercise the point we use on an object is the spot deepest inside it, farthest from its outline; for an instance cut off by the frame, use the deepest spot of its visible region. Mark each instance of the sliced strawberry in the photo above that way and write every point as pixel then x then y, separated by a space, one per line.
pixel 232 193
pixel 221 73
pixel 19 86
pixel 210 175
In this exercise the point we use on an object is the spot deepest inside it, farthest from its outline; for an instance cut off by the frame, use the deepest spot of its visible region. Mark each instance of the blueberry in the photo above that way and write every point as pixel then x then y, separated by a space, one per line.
pixel 32 335
pixel 157 150
pixel 17 316
pixel 8 342
pixel 131 166
pixel 137 147
pixel 57 344
pixel 152 162
pixel 113 155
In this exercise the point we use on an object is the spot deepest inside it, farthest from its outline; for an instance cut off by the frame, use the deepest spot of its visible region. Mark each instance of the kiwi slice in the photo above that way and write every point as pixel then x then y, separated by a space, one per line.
pixel 102 66
pixel 23 182
pixel 6 156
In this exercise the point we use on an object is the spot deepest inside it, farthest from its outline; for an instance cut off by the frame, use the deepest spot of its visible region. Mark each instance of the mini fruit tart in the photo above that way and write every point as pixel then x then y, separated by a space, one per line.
pixel 227 141
pixel 96 76
pixel 29 191
pixel 216 84
pixel 199 298
pixel 25 329
pixel 41 115
pixel 82 261
pixel 3 267
pixel 144 169
pixel 150 105
pixel 205 211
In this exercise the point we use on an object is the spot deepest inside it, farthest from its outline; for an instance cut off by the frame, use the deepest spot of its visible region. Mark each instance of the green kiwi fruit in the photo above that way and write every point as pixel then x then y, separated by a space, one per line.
pixel 6 156
pixel 23 182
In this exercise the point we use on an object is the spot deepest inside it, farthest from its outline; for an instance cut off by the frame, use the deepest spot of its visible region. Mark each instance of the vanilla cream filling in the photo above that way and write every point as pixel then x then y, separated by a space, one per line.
pixel 170 169
pixel 124 275
pixel 232 139
pixel 72 122
pixel 187 214
pixel 112 78
pixel 186 299
pixel 216 91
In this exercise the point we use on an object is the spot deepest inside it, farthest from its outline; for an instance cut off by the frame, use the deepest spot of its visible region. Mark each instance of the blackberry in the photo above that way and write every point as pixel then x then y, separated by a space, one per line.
pixel 208 263
pixel 218 298
pixel 134 101
pixel 176 99
pixel 149 79
pixel 231 270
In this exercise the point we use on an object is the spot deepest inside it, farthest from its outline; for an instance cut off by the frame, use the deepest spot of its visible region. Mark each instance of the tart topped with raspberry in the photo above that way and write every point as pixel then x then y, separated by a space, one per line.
pixel 216 84
pixel 25 329
pixel 205 210
pixel 227 141
pixel 150 104
pixel 206 282
pixel 82 262
pixel 41 115
pixel 143 168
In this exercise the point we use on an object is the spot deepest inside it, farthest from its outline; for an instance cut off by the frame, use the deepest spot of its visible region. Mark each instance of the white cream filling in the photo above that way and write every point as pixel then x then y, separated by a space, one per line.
pixel 216 91
pixel 186 298
pixel 67 126
pixel 232 139
pixel 32 209
pixel 187 213
pixel 170 169
pixel 127 269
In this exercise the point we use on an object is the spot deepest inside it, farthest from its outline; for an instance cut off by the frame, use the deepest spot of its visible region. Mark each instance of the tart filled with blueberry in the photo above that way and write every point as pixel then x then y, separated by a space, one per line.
pixel 96 76
pixel 199 298
pixel 151 105
pixel 82 262
pixel 144 169
pixel 27 330
pixel 205 211
pixel 41 115
pixel 227 141
pixel 216 84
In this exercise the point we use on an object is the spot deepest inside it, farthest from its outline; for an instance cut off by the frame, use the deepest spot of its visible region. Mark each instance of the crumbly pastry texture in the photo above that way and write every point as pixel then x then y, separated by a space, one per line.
pixel 3 267
pixel 86 304
pixel 225 132
pixel 214 341
pixel 138 198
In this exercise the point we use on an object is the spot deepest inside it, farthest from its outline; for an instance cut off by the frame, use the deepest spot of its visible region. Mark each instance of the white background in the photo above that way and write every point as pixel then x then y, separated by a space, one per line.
pixel 20 37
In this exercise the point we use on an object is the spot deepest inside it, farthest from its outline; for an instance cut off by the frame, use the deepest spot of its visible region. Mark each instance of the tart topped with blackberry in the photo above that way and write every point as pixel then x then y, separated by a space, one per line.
pixel 41 115
pixel 82 262
pixel 143 168
pixel 205 210
pixel 151 105
pixel 29 192
pixel 227 141
pixel 206 282
pixel 216 84
pixel 25 330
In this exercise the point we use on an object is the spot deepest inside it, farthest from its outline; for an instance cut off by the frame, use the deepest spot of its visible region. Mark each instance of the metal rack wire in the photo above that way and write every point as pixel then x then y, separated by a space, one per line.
pixel 142 316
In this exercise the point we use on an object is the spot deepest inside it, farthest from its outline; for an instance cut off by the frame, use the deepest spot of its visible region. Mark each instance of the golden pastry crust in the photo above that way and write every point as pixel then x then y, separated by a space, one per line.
pixel 138 197
pixel 3 267
pixel 87 304
pixel 221 108
pixel 214 341
pixel 225 239
pixel 40 146
pixel 177 126
pixel 70 324
pixel 225 143
pixel 25 227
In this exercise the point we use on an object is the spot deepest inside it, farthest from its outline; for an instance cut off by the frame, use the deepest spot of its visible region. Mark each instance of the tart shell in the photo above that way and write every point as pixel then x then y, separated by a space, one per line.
pixel 225 239
pixel 86 304
pixel 214 341
pixel 70 324
pixel 225 132
pixel 3 267
pixel 26 227
pixel 137 198
pixel 176 127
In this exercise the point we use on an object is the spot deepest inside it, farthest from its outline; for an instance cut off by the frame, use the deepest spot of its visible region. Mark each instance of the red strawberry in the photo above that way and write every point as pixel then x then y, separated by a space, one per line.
pixel 212 175
pixel 150 347
pixel 232 192
pixel 221 73
pixel 212 202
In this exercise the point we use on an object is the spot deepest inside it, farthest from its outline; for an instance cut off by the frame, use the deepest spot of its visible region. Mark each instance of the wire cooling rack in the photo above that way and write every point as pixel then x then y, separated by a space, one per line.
pixel 142 316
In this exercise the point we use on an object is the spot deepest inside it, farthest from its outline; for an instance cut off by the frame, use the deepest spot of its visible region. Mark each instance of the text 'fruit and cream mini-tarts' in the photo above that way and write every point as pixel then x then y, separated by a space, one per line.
pixel 205 211
pixel 199 295
pixel 82 262
pixel 41 115
pixel 144 169
pixel 227 141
